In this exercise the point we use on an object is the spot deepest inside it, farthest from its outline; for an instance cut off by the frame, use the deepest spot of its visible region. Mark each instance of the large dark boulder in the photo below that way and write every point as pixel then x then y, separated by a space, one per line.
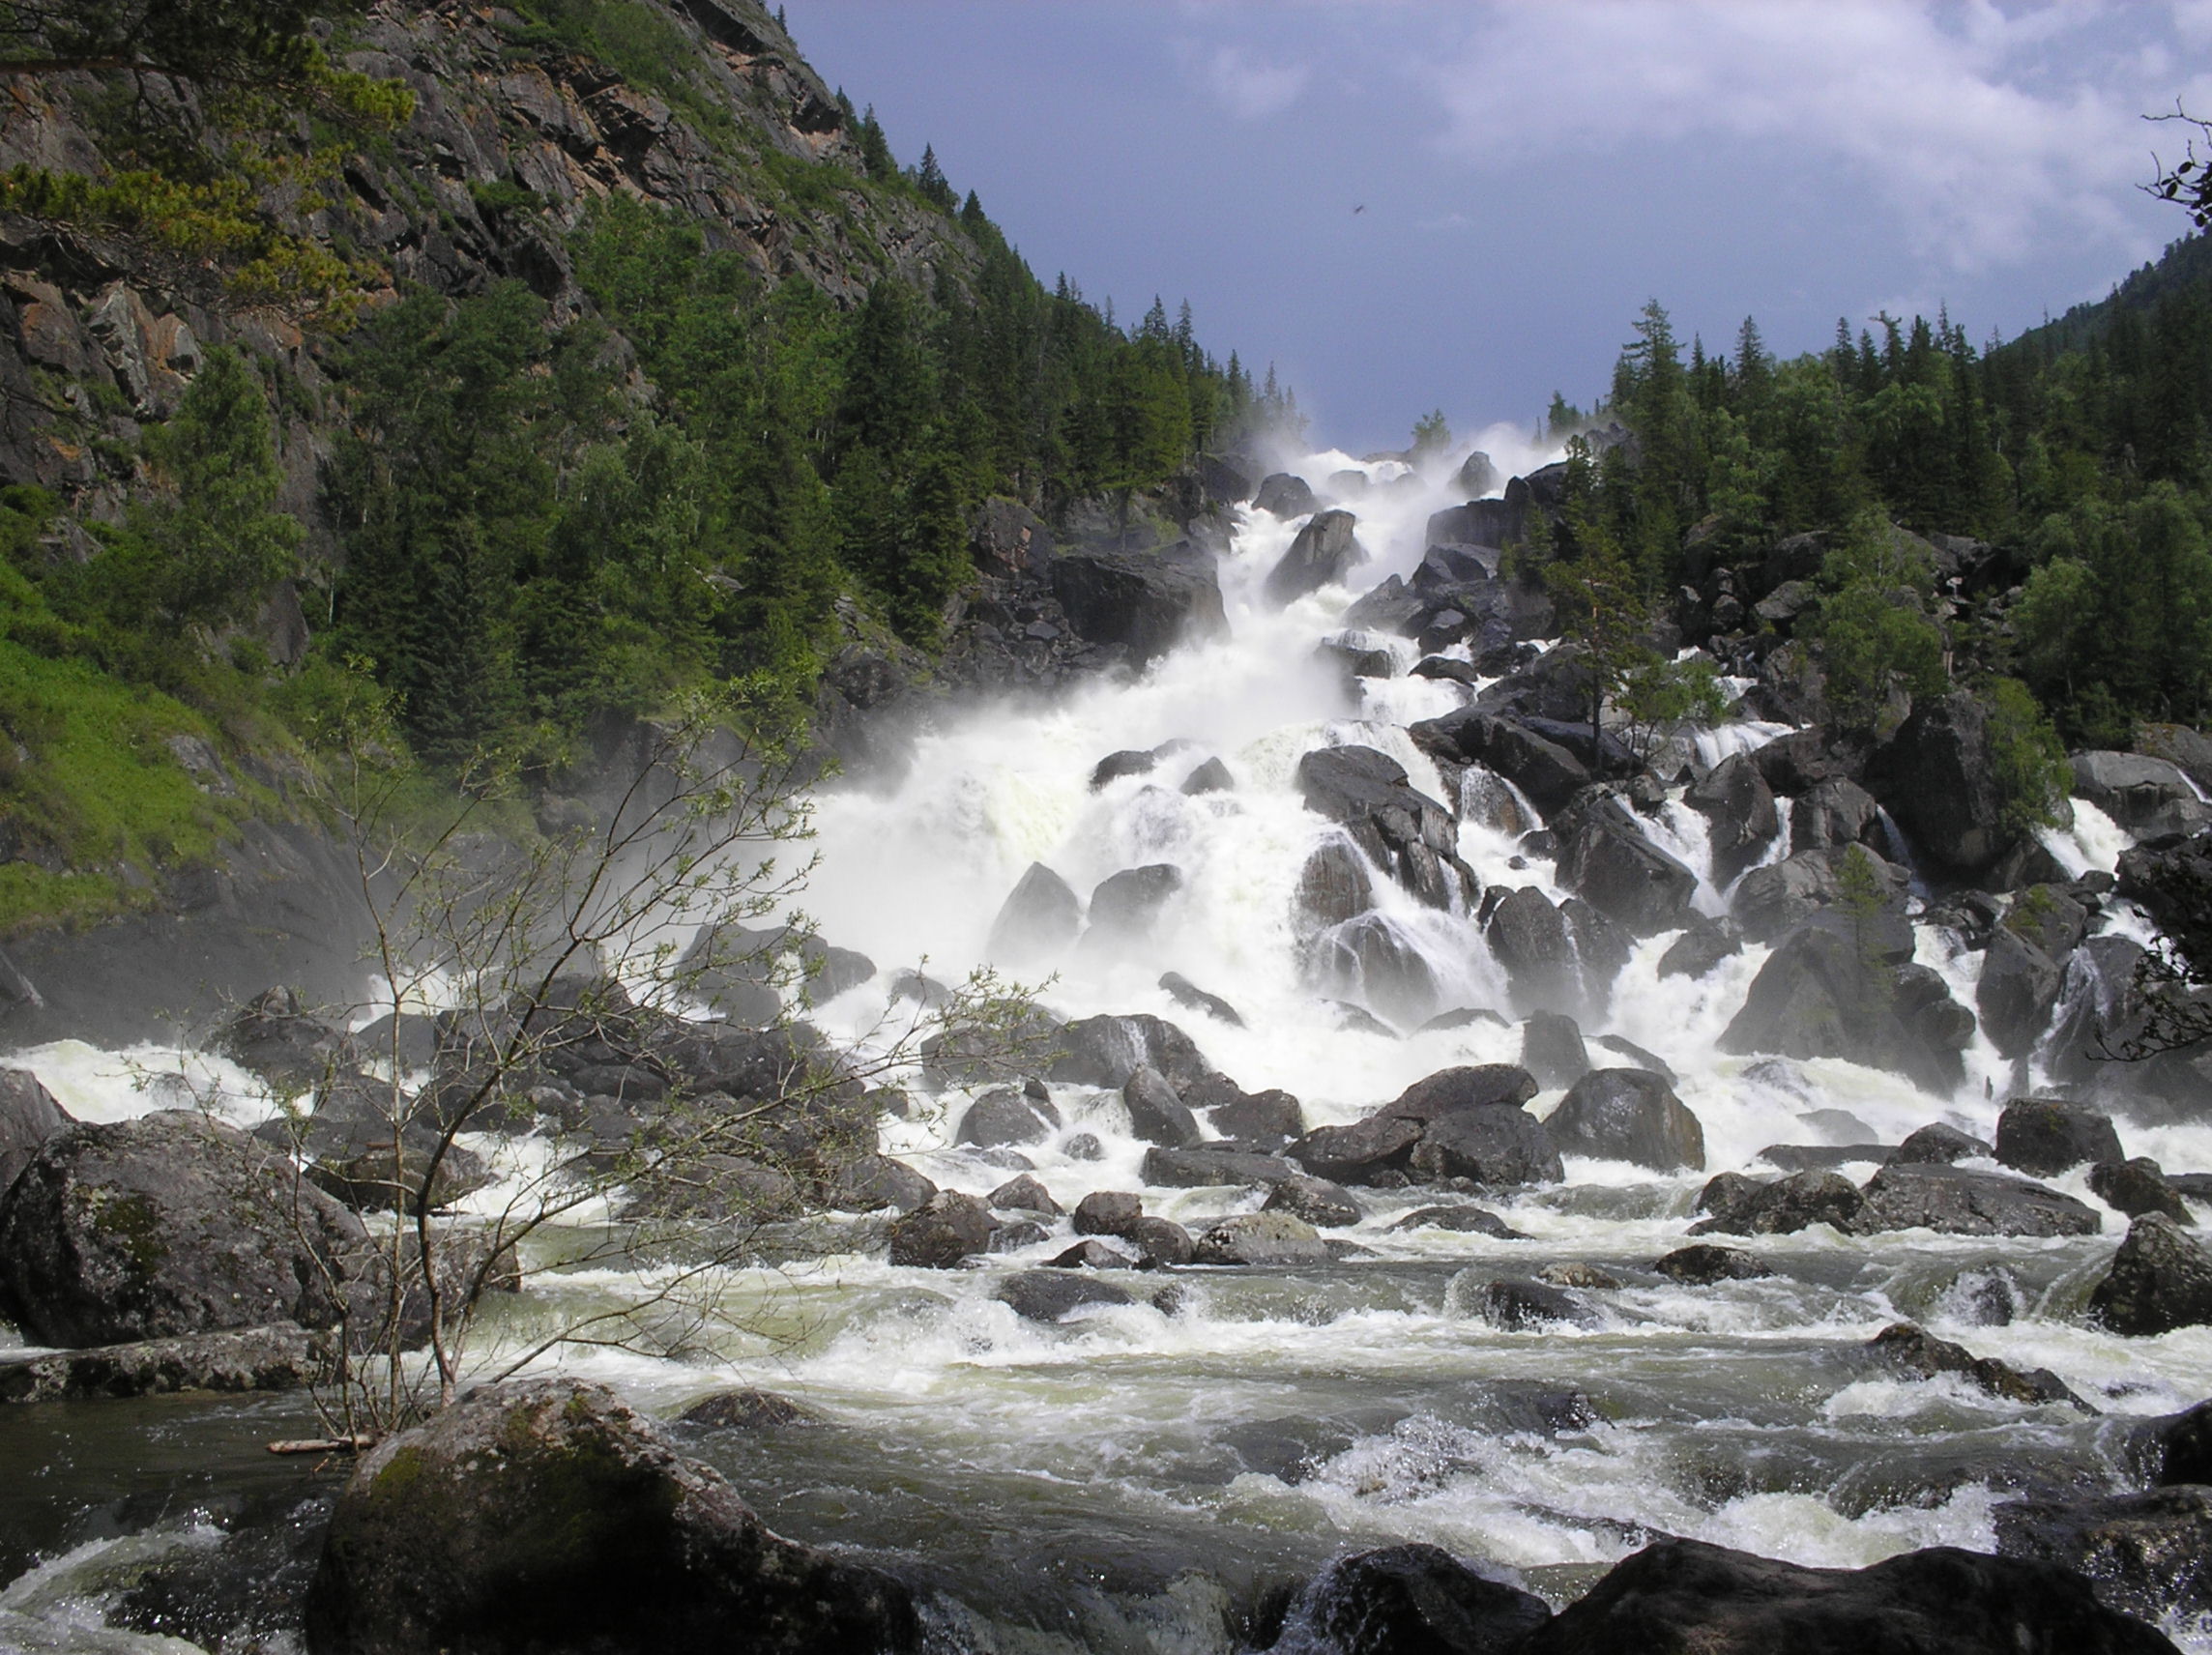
pixel 1521 1306
pixel 1377 958
pixel 1741 1206
pixel 1285 494
pixel 1913 1351
pixel 1125 906
pixel 1408 1599
pixel 1939 778
pixel 275 1037
pixel 1052 1296
pixel 1605 857
pixel 2148 1555
pixel 552 1516
pixel 2044 1136
pixel 1629 1114
pixel 2161 1279
pixel 1833 814
pixel 28 1117
pixel 167 1225
pixel 1826 992
pixel 1326 550
pixel 1147 605
pixel 2176 1448
pixel 1400 828
pixel 1156 1115
pixel 1552 1049
pixel 2149 797
pixel 282 1356
pixel 1038 919
pixel 2137 1187
pixel 1530 939
pixel 1472 1086
pixel 2017 989
pixel 1462 1122
pixel 1207 1165
pixel 1262 1239
pixel 1549 773
pixel 1678 1596
pixel 945 1229
pixel 1333 886
pixel 1106 1050
pixel 1772 900
pixel 1960 1201
pixel 1005 1116
pixel 1740 817
pixel 1494 1147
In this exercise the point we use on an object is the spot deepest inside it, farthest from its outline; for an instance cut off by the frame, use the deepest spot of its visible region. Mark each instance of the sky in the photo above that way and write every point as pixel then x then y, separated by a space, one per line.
pixel 1416 204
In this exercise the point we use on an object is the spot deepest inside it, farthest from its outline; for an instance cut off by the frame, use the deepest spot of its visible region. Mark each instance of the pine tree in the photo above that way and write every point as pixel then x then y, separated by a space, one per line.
pixel 929 179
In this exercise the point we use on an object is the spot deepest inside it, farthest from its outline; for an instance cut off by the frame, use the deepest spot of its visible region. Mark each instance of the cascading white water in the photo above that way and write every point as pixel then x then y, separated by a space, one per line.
pixel 1152 1439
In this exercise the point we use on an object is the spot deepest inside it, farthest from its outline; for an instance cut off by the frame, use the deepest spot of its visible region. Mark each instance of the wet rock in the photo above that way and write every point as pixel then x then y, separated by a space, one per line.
pixel 1605 857
pixel 282 1356
pixel 1326 551
pixel 1959 1202
pixel 551 1515
pixel 167 1224
pixel 1702 947
pixel 1822 994
pixel 1039 918
pixel 1003 1116
pixel 1546 772
pixel 36 1635
pixel 1745 1207
pixel 1145 603
pixel 2176 1448
pixel 1209 1164
pixel 1463 1220
pixel 1285 494
pixel 1701 1264
pixel 1938 777
pixel 29 1116
pixel 1378 958
pixel 870 1183
pixel 1128 762
pixel 380 1173
pixel 748 1410
pixel 1494 1148
pixel 1740 818
pixel 1108 1213
pixel 1552 1049
pixel 1023 1194
pixel 1106 1051
pixel 1629 1114
pixel 1526 1307
pixel 1905 1349
pixel 1462 1122
pixel 1049 1295
pixel 274 1037
pixel 1084 1147
pixel 1400 828
pixel 1770 902
pixel 1408 1600
pixel 1938 1145
pixel 1470 1086
pixel 1161 1243
pixel 941 1231
pixel 2147 1555
pixel 2018 988
pixel 1530 939
pixel 1320 1204
pixel 1821 1157
pixel 1573 1273
pixel 1212 776
pixel 1260 1239
pixel 2043 1136
pixel 2147 795
pixel 1156 1115
pixel 1017 1233
pixel 1092 1254
pixel 2137 1187
pixel 1638 1057
pixel 717 1188
pixel 1127 906
pixel 1266 1118
pixel 2161 1279
pixel 1334 887
pixel 1685 1595
pixel 1832 814
pixel 1188 994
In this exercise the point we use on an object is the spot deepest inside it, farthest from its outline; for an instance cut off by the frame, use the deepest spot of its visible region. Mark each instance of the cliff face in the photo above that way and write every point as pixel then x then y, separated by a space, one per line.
pixel 515 133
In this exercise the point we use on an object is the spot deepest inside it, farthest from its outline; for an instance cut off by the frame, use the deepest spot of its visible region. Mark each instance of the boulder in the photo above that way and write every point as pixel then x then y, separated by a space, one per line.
pixel 29 1116
pixel 1408 1600
pixel 1605 857
pixel 1266 1238
pixel 1021 1193
pixel 1161 1243
pixel 1520 1306
pixel 282 1356
pixel 1938 1145
pixel 1530 939
pixel 941 1231
pixel 1212 776
pixel 1702 947
pixel 1285 494
pixel 1957 1202
pixel 1501 1146
pixel 274 1035
pixel 1108 1213
pixel 1092 1254
pixel 1003 1116
pixel 1741 1206
pixel 1147 604
pixel 1740 817
pixel 1547 773
pixel 1334 887
pixel 1268 1118
pixel 1320 1204
pixel 1834 814
pixel 869 1183
pixel 2176 1448
pixel 1401 829
pixel 551 1515
pixel 2148 1555
pixel 1039 918
pixel 1326 550
pixel 2137 1187
pixel 2145 794
pixel 1681 1595
pixel 1105 1051
pixel 1824 994
pixel 1129 762
pixel 1127 905
pixel 1052 1296
pixel 1552 1049
pixel 1462 1220
pixel 1207 1165
pixel 1629 1114
pixel 1905 1349
pixel 167 1224
pixel 1772 900
pixel 748 1410
pixel 1938 777
pixel 1156 1115
pixel 2161 1279
pixel 2043 1136
pixel 1189 996
pixel 2018 988
pixel 1379 959
pixel 1701 1264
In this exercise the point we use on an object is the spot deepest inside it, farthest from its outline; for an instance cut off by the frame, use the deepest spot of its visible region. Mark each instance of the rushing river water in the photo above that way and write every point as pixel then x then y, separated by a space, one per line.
pixel 1138 1477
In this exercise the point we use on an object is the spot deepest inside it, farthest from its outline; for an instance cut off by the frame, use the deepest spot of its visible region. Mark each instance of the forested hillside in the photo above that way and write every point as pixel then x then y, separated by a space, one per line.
pixel 535 365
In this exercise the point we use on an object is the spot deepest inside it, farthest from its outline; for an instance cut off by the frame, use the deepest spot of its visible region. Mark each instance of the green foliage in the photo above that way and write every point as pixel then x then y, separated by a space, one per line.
pixel 1874 642
pixel 2029 759
pixel 1432 436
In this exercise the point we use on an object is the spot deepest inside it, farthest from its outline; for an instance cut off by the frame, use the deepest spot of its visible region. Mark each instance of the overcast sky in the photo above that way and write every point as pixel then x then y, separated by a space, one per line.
pixel 1408 204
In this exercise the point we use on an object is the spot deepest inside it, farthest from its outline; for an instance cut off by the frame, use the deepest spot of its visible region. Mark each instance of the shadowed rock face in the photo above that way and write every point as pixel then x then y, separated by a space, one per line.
pixel 551 1515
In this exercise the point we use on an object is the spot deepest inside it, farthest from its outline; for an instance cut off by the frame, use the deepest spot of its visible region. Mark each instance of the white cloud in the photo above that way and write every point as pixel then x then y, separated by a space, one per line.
pixel 1251 90
pixel 1984 129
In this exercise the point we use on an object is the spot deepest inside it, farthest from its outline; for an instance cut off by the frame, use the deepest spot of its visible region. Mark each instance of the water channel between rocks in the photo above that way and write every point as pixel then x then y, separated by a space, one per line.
pixel 1126 1479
